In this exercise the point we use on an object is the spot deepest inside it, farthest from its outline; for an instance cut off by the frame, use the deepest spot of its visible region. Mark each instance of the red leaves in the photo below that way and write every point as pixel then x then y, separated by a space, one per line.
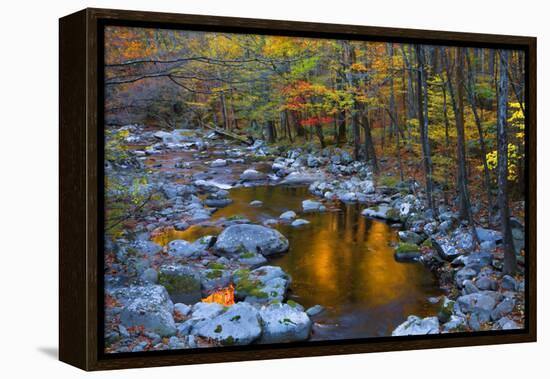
pixel 311 121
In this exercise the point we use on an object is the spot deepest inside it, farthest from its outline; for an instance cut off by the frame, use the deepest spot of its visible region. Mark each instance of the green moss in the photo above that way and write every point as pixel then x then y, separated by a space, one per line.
pixel 228 341
pixel 388 181
pixel 215 266
pixel 292 303
pixel 393 213
pixel 241 273
pixel 275 301
pixel 375 208
pixel 407 248
pixel 214 274
pixel 248 254
pixel 427 243
pixel 218 329
pixel 235 318
pixel 235 217
pixel 286 321
pixel 259 294
pixel 179 283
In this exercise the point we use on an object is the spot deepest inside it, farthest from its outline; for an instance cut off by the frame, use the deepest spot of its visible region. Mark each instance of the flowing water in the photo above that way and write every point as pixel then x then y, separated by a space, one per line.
pixel 340 260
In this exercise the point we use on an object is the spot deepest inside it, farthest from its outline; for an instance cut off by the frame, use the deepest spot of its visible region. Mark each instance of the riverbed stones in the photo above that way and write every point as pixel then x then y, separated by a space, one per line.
pixel 256 203
pixel 239 325
pixel 508 283
pixel 312 206
pixel 185 249
pixel 463 274
pixel 218 163
pixel 149 307
pixel 445 248
pixel 263 285
pixel 213 279
pixel 183 283
pixel 417 326
pixel 301 178
pixel 283 323
pixel 410 237
pixel 251 175
pixel 382 211
pixel 288 216
pixel 299 222
pixel 240 238
pixel 201 311
pixel 479 303
pixel 315 310
pixel 503 308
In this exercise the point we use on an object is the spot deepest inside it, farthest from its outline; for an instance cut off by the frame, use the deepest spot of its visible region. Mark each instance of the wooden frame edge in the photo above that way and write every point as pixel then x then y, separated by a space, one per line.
pixel 78 320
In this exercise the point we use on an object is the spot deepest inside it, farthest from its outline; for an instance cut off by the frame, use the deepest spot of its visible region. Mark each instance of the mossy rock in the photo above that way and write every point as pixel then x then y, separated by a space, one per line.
pixel 393 214
pixel 216 266
pixel 405 247
pixel 445 311
pixel 182 283
pixel 246 255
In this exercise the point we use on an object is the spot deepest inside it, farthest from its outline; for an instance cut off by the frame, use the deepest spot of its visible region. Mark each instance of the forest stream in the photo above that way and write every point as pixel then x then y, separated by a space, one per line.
pixel 340 260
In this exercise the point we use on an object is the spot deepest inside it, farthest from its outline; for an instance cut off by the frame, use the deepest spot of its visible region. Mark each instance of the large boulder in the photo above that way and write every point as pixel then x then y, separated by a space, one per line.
pixel 183 283
pixel 284 323
pixel 242 238
pixel 147 306
pixel 417 326
pixel 238 326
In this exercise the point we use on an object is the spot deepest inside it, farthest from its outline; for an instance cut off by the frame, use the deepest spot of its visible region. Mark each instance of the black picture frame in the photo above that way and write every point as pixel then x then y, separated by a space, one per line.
pixel 81 186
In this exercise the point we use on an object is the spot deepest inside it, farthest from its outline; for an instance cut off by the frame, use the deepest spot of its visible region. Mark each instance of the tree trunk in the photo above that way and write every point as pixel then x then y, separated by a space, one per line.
pixel 270 131
pixel 349 59
pixel 510 264
pixel 473 105
pixel 422 95
pixel 370 153
pixel 465 208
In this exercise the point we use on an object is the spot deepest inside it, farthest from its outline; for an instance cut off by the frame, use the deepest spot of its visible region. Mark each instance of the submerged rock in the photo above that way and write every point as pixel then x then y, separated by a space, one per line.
pixel 250 238
pixel 312 206
pixel 288 216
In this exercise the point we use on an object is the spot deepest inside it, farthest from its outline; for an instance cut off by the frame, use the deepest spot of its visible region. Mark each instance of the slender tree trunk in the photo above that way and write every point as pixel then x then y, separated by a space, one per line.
pixel 370 153
pixel 224 111
pixel 319 132
pixel 393 112
pixel 349 60
pixel 473 104
pixel 423 121
pixel 510 264
pixel 465 208
pixel 270 130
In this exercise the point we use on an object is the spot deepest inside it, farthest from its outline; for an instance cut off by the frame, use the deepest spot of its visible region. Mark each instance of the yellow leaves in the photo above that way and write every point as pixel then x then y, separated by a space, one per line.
pixel 358 67
pixel 513 160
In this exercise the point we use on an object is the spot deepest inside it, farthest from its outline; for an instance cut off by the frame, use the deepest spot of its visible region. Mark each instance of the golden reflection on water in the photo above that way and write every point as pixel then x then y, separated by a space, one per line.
pixel 164 236
pixel 341 260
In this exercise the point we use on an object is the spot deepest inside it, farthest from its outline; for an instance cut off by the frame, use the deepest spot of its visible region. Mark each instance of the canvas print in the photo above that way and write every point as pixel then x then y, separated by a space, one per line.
pixel 264 189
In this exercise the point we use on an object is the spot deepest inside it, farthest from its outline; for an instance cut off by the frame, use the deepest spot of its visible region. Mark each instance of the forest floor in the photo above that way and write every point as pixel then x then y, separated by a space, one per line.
pixel 180 273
